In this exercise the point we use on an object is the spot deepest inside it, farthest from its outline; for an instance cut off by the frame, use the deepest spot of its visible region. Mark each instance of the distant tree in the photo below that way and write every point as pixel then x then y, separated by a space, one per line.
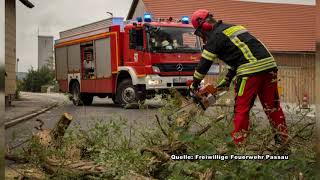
pixel 37 78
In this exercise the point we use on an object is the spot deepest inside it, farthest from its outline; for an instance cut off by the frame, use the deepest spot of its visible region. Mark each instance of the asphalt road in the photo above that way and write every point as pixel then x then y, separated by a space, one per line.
pixel 84 116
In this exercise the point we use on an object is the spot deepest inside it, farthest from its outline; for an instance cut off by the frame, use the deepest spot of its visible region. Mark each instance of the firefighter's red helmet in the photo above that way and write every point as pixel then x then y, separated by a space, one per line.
pixel 198 20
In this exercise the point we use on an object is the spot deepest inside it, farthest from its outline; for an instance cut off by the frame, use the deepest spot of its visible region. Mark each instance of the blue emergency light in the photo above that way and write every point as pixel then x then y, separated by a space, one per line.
pixel 185 20
pixel 139 19
pixel 147 17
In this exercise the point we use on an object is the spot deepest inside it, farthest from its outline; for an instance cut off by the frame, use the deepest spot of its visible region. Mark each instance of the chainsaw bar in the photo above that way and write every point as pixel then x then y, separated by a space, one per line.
pixel 198 102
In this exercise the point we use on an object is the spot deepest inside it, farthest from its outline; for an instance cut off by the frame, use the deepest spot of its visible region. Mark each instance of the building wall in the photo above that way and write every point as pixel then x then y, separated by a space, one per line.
pixel 45 50
pixel 10 46
pixel 317 72
pixel 296 76
pixel 140 10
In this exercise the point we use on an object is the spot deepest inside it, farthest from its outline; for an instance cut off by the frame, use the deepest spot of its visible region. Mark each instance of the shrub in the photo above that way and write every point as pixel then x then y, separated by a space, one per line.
pixel 37 78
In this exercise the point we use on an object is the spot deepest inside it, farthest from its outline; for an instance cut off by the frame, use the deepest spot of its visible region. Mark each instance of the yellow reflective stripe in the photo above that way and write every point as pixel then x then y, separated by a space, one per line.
pixel 262 68
pixel 231 30
pixel 198 75
pixel 256 63
pixel 257 66
pixel 242 86
pixel 244 49
pixel 232 33
pixel 208 55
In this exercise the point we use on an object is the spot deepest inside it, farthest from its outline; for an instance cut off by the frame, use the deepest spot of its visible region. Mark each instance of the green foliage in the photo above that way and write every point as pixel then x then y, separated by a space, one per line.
pixel 116 144
pixel 37 78
pixel 18 89
pixel 301 163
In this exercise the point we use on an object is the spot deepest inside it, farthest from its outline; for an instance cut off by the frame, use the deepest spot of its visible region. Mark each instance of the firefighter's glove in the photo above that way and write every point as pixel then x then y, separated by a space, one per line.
pixel 224 85
pixel 192 89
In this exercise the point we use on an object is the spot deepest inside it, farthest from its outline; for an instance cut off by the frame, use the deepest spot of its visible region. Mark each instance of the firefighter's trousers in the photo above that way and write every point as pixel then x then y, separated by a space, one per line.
pixel 247 89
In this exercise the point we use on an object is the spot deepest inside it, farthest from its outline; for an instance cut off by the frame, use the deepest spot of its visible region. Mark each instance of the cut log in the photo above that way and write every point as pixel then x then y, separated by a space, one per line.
pixel 60 128
pixel 24 171
pixel 52 137
pixel 81 167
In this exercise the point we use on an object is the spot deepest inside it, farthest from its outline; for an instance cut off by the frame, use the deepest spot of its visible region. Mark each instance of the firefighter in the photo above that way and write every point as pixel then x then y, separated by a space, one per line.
pixel 252 65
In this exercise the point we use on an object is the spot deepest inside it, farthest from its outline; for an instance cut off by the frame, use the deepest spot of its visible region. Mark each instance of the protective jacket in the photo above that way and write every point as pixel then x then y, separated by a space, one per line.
pixel 243 53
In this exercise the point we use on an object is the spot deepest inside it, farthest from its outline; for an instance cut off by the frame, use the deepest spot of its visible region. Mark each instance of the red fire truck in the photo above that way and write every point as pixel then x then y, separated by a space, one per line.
pixel 128 61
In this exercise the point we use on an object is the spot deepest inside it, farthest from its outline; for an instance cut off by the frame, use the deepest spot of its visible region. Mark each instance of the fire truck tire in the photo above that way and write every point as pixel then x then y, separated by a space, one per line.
pixel 86 99
pixel 76 95
pixel 126 93
pixel 114 99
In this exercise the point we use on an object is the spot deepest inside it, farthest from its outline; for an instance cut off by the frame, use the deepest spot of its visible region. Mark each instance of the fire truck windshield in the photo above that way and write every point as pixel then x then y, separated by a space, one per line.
pixel 173 40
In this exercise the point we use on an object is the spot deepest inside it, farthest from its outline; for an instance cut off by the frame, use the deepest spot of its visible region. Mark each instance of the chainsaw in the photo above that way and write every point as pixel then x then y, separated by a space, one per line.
pixel 205 97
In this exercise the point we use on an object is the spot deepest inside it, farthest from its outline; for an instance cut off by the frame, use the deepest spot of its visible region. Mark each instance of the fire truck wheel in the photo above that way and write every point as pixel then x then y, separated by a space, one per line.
pixel 76 96
pixel 86 99
pixel 114 99
pixel 126 93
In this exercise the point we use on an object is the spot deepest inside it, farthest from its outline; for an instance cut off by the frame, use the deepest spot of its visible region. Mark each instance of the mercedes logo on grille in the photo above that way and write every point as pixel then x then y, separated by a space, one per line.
pixel 179 67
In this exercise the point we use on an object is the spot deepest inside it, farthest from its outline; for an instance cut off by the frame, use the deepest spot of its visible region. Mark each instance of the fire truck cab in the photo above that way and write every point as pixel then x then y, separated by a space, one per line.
pixel 126 62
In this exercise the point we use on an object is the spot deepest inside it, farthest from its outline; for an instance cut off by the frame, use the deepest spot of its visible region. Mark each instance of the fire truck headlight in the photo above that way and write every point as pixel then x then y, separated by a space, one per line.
pixel 155 69
pixel 154 82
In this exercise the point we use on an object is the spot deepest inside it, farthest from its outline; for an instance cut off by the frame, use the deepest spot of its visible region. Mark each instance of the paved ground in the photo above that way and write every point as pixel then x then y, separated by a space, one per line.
pixel 31 102
pixel 102 109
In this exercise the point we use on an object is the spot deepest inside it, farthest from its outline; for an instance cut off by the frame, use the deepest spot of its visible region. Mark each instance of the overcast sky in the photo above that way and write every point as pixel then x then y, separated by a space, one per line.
pixel 50 17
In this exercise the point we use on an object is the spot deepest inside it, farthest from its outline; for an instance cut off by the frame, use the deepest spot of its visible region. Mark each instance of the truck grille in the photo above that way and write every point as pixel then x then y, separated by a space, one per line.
pixel 177 67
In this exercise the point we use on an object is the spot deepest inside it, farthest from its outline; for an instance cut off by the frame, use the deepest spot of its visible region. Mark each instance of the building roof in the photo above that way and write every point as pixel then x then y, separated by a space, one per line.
pixel 318 21
pixel 282 27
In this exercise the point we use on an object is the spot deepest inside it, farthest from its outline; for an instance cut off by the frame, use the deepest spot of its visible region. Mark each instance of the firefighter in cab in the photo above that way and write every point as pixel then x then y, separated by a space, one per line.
pixel 250 64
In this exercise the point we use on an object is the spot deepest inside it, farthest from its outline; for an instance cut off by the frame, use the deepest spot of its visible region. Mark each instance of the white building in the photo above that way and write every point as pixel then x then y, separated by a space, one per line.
pixel 45 51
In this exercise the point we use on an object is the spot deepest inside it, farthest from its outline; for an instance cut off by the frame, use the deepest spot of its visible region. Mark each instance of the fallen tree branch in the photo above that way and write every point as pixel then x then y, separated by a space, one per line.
pixel 161 128
pixel 164 157
pixel 16 158
pixel 206 128
pixel 81 167
pixel 26 171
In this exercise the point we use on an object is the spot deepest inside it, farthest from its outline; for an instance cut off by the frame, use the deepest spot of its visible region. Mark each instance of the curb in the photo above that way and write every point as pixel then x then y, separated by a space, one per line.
pixel 18 120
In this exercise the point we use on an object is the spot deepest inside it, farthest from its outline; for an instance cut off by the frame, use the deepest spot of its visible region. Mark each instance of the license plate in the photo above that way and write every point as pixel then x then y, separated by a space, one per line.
pixel 179 80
